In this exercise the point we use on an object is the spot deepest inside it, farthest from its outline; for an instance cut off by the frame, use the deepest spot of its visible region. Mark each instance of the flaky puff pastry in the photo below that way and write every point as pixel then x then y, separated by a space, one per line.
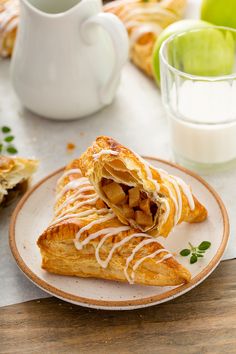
pixel 9 19
pixel 86 239
pixel 140 195
pixel 14 171
pixel 144 21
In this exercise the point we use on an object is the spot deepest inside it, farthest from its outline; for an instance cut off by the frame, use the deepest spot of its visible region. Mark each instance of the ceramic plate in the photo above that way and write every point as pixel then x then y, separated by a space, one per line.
pixel 34 212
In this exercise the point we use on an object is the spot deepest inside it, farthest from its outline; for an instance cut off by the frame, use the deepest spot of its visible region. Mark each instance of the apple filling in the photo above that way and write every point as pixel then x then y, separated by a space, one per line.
pixel 134 202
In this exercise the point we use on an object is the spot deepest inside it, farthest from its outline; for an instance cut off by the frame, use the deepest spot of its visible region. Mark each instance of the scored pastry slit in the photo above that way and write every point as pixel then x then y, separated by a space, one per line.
pixel 134 202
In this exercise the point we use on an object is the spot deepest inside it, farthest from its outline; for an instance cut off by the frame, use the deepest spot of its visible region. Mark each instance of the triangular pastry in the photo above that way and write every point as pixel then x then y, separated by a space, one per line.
pixel 9 20
pixel 14 172
pixel 140 195
pixel 144 21
pixel 86 239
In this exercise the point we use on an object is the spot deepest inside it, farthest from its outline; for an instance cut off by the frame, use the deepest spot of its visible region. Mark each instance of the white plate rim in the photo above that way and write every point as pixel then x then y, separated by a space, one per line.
pixel 124 304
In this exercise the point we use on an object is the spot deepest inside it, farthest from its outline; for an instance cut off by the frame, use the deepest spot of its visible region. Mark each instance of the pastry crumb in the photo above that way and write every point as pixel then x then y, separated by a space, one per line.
pixel 70 147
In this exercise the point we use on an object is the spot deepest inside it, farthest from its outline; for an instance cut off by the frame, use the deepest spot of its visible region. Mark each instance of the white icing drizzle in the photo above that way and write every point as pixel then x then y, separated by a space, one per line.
pixel 68 173
pixel 140 261
pixel 146 12
pixel 167 210
pixel 167 256
pixel 157 185
pixel 138 32
pixel 73 185
pixel 79 215
pixel 75 207
pixel 186 189
pixel 90 199
pixel 179 198
pixel 131 24
pixel 92 223
pixel 135 250
pixel 109 6
pixel 112 230
pixel 76 196
pixel 147 167
pixel 174 201
pixel 105 152
pixel 104 263
pixel 187 192
pixel 177 181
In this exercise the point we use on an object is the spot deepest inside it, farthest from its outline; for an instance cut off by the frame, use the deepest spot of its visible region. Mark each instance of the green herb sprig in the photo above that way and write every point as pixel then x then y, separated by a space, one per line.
pixel 195 252
pixel 6 144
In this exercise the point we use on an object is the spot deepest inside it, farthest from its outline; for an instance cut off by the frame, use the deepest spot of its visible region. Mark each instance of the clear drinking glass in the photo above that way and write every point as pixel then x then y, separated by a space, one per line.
pixel 198 85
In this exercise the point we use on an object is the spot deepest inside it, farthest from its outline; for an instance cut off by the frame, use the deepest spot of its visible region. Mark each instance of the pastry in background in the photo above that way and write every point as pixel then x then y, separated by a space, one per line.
pixel 9 18
pixel 145 197
pixel 86 239
pixel 144 21
pixel 14 174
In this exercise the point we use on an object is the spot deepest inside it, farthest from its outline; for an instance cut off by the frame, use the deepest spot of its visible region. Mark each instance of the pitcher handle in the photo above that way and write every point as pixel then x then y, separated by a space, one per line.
pixel 117 32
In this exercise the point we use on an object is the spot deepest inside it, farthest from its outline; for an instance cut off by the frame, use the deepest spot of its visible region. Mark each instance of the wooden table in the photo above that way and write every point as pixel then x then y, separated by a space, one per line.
pixel 201 321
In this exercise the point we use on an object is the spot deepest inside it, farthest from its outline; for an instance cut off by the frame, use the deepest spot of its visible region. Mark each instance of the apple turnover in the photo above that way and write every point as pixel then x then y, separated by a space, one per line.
pixel 86 239
pixel 142 196
pixel 144 21
pixel 14 174
pixel 9 19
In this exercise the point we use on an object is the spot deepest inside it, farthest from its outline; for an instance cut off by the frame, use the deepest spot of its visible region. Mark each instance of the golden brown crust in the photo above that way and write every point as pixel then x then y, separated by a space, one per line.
pixel 9 19
pixel 15 164
pixel 124 166
pixel 60 256
pixel 14 171
pixel 144 22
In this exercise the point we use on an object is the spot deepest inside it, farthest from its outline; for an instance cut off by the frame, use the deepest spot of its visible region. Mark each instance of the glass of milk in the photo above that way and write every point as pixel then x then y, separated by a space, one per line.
pixel 198 85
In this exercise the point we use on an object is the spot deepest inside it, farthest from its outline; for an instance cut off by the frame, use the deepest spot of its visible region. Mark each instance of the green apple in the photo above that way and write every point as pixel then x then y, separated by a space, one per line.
pixel 219 12
pixel 179 26
pixel 207 52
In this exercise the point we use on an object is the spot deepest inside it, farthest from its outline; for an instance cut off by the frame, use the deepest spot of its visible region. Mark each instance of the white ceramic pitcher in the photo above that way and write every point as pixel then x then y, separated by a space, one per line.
pixel 68 57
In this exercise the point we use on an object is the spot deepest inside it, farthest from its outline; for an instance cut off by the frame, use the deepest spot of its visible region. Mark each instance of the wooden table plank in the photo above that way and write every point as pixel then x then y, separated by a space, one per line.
pixel 202 321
